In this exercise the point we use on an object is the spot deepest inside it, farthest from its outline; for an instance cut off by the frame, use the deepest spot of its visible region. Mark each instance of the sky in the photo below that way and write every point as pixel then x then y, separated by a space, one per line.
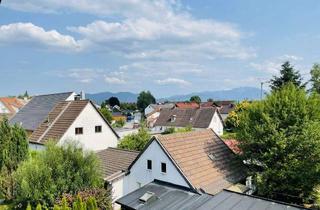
pixel 166 46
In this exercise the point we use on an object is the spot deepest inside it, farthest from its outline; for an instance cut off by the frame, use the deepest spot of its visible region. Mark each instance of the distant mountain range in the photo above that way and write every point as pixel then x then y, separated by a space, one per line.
pixel 236 94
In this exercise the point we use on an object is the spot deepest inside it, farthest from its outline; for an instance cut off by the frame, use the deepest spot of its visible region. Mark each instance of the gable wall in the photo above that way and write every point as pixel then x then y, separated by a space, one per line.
pixel 216 124
pixel 139 174
pixel 90 140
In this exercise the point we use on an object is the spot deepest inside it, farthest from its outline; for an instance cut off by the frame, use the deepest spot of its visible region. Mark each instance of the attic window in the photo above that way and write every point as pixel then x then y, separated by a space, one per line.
pixel 147 197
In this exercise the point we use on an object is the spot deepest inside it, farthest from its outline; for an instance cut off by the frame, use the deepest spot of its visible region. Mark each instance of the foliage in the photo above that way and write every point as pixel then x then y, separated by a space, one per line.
pixel 315 78
pixel 135 141
pixel 144 99
pixel 209 100
pixel 287 75
pixel 25 95
pixel 196 99
pixel 232 120
pixel 54 171
pixel 29 207
pixel 229 135
pixel 280 138
pixel 102 198
pixel 39 207
pixel 13 150
pixel 119 123
pixel 107 114
pixel 112 101
pixel 128 106
pixel 178 130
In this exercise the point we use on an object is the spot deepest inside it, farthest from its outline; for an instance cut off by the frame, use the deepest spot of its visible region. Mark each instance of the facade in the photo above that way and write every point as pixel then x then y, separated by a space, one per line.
pixel 197 118
pixel 157 107
pixel 79 121
pixel 197 160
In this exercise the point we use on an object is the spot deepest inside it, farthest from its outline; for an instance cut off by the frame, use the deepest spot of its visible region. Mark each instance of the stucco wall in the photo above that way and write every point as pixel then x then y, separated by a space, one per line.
pixel 216 124
pixel 140 175
pixel 88 119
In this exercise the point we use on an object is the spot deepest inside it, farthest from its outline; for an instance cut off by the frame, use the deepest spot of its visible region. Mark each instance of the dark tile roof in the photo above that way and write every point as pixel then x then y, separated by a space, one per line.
pixel 35 112
pixel 58 121
pixel 172 197
pixel 204 159
pixel 113 160
pixel 198 117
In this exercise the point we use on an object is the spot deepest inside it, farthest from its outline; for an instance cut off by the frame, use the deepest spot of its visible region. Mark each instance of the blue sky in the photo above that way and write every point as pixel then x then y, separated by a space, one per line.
pixel 166 46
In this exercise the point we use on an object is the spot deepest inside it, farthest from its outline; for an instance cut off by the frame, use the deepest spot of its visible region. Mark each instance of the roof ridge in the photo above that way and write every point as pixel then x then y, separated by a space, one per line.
pixel 120 149
pixel 53 94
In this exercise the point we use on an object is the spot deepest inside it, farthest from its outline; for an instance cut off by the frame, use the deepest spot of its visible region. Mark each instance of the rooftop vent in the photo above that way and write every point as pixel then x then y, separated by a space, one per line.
pixel 147 197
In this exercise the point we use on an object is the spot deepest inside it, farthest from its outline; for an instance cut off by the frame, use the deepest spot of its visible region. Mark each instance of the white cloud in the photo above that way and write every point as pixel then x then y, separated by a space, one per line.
pixel 29 33
pixel 114 80
pixel 173 81
pixel 83 75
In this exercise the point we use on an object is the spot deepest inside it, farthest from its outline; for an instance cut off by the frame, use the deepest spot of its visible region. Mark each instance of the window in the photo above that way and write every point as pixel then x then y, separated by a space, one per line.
pixel 98 129
pixel 149 164
pixel 79 131
pixel 163 167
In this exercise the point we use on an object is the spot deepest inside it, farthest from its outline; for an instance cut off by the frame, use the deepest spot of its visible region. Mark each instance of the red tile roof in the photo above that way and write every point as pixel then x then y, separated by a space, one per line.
pixel 187 105
pixel 233 145
pixel 12 104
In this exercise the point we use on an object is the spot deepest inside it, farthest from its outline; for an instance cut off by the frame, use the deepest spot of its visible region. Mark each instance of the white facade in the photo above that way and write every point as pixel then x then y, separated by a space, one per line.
pixel 122 132
pixel 140 175
pixel 216 124
pixel 88 119
pixel 3 109
pixel 148 109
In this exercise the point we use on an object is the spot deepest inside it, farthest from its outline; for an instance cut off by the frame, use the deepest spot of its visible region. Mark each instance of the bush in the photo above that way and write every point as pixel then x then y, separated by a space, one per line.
pixel 56 170
pixel 135 141
pixel 119 123
pixel 107 114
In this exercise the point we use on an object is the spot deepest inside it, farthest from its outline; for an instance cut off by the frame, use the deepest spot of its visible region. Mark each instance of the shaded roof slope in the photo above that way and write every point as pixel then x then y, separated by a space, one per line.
pixel 172 197
pixel 113 160
pixel 204 159
pixel 198 118
pixel 58 121
pixel 35 112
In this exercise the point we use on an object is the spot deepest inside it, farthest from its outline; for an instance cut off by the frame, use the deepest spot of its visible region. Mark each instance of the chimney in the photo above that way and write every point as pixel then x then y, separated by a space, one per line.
pixel 83 95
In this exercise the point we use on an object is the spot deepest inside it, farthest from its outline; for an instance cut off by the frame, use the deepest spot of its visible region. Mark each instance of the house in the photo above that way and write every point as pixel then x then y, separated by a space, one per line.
pixel 157 107
pixel 187 105
pixel 198 118
pixel 9 106
pixel 114 164
pixel 117 116
pixel 159 195
pixel 38 108
pixel 151 118
pixel 124 131
pixel 197 160
pixel 225 107
pixel 77 120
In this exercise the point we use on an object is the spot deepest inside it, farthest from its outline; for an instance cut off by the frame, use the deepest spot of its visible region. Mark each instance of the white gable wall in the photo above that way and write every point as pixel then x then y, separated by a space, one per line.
pixel 3 109
pixel 216 124
pixel 148 109
pixel 88 119
pixel 140 175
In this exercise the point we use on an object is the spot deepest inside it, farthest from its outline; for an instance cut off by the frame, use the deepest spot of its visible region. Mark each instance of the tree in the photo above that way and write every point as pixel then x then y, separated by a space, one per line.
pixel 287 75
pixel 113 101
pixel 144 99
pixel 315 78
pixel 135 141
pixel 232 121
pixel 209 100
pixel 57 170
pixel 13 150
pixel 196 99
pixel 107 114
pixel 280 140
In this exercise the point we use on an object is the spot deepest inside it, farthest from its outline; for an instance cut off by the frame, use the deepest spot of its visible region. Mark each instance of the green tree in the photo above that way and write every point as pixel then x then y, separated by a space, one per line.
pixel 144 99
pixel 39 207
pixel 287 75
pixel 107 114
pixel 92 204
pixel 135 141
pixel 119 123
pixel 29 207
pixel 113 101
pixel 79 204
pixel 280 140
pixel 57 170
pixel 315 78
pixel 196 99
pixel 13 150
pixel 232 121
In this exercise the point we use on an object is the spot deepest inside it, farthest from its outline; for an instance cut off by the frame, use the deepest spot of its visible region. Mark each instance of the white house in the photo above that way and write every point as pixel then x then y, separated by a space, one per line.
pixel 77 120
pixel 198 118
pixel 114 164
pixel 157 107
pixel 198 160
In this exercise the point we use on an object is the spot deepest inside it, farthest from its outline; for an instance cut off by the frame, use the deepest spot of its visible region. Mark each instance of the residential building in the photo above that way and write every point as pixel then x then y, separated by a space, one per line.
pixel 225 107
pixel 77 120
pixel 9 106
pixel 38 108
pixel 159 195
pixel 157 107
pixel 198 160
pixel 187 105
pixel 114 164
pixel 198 118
